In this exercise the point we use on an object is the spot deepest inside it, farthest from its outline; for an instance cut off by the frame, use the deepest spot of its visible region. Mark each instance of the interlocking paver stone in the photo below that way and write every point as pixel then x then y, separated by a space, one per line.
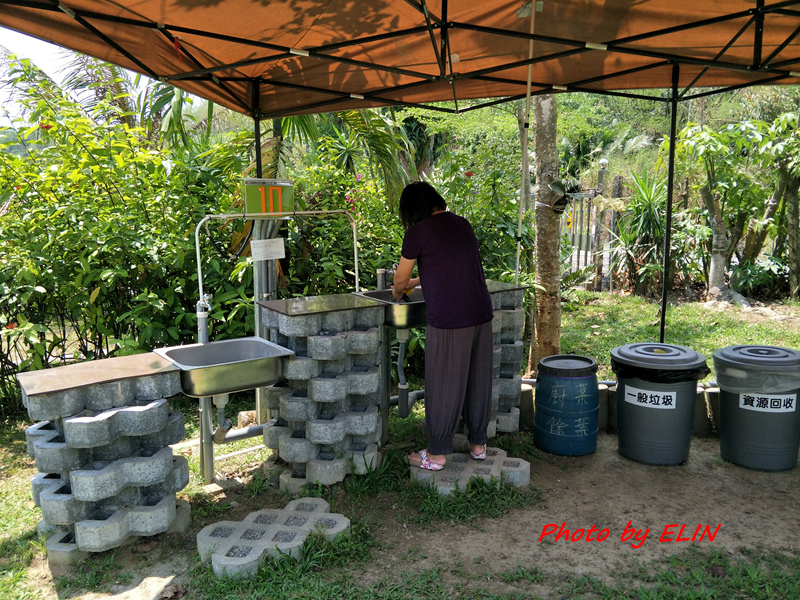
pixel 460 468
pixel 238 548
pixel 90 430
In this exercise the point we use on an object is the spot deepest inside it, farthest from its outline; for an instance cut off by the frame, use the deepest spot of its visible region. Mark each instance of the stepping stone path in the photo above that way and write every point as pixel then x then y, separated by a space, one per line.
pixel 239 548
pixel 460 468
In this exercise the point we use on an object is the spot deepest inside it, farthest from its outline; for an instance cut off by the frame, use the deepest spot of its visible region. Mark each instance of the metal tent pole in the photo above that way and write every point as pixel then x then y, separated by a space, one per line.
pixel 525 169
pixel 673 126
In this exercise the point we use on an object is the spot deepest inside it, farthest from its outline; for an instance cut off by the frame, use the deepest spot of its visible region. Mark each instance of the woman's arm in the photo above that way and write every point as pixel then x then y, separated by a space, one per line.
pixel 402 277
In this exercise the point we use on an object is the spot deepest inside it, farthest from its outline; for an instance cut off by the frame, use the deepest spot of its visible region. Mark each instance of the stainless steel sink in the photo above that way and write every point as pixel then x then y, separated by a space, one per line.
pixel 226 366
pixel 401 315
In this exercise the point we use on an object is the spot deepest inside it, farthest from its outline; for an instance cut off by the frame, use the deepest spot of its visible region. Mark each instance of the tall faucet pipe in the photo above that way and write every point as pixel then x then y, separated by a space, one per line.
pixel 272 216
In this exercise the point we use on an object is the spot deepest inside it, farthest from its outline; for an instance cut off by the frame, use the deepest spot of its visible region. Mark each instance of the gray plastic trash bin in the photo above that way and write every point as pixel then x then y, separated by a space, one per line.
pixel 759 424
pixel 656 393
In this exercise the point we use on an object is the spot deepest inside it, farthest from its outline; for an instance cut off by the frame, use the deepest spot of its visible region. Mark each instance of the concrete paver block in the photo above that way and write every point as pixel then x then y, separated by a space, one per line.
pixel 336 321
pixel 101 396
pixel 62 551
pixel 327 346
pixel 104 532
pixel 294 448
pixel 511 299
pixel 509 369
pixel 43 481
pixel 290 483
pixel 510 387
pixel 364 341
pixel 328 428
pixel 238 548
pixel 327 388
pixel 42 431
pixel 508 422
pixel 513 325
pixel 297 406
pixel 301 367
pixel 100 480
pixel 53 455
pixel 273 433
pixel 327 469
pixel 511 353
pixel 172 432
pixel 334 367
pixel 369 317
pixel 363 458
pixel 55 405
pixel 460 468
pixel 367 360
pixel 88 431
pixel 361 420
pixel 363 380
pixel 153 387
pixel 299 325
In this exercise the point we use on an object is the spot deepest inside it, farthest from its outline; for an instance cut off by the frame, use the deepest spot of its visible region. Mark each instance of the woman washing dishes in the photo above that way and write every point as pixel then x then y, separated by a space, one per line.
pixel 458 346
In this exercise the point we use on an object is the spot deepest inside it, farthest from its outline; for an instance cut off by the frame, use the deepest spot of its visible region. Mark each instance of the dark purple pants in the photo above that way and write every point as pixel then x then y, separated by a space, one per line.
pixel 458 382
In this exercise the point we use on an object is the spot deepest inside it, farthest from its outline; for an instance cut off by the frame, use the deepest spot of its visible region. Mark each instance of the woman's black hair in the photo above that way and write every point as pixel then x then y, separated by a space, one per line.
pixel 418 201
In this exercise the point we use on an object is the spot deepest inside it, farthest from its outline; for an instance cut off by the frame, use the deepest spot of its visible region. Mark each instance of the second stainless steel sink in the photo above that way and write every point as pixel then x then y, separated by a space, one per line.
pixel 226 366
pixel 401 315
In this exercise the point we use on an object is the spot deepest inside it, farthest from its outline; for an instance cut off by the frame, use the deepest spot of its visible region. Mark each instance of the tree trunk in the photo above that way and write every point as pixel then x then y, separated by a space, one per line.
pixel 793 235
pixel 757 234
pixel 548 264
pixel 719 244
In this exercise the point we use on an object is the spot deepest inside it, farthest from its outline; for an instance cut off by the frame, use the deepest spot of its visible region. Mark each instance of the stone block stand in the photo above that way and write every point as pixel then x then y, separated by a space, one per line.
pixel 326 419
pixel 106 472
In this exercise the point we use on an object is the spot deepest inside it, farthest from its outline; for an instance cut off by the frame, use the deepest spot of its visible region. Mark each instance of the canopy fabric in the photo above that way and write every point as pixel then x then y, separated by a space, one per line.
pixel 270 58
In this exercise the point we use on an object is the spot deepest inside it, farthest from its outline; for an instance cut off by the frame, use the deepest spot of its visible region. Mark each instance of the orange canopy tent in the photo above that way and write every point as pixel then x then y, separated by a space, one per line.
pixel 270 58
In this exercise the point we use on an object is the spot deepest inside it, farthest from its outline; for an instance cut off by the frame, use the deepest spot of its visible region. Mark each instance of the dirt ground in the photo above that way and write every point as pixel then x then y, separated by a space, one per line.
pixel 740 508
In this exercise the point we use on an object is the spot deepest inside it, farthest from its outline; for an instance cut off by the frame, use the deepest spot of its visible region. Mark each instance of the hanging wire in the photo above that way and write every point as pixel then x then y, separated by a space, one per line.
pixel 238 253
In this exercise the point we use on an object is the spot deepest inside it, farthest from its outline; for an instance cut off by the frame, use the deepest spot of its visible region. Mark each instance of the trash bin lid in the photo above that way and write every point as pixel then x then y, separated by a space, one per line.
pixel 658 356
pixel 567 365
pixel 757 358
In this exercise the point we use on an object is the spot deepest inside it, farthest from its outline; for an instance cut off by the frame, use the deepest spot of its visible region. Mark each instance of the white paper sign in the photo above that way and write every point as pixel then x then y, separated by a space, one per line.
pixel 766 403
pixel 650 398
pixel 267 249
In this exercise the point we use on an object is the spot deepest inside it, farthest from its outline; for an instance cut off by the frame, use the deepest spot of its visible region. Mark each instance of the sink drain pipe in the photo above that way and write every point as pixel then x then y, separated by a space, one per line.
pixel 402 385
pixel 223 434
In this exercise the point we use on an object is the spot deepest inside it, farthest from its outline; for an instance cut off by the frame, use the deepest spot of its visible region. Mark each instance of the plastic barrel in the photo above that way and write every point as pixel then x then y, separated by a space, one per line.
pixel 656 393
pixel 759 423
pixel 566 405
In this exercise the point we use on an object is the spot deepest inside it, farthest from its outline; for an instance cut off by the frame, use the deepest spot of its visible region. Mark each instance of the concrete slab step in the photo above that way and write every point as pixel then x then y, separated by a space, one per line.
pixel 460 468
pixel 238 548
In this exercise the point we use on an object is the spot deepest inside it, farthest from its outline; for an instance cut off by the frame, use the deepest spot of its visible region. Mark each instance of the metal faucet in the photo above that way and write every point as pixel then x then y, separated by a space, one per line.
pixel 203 308
pixel 205 302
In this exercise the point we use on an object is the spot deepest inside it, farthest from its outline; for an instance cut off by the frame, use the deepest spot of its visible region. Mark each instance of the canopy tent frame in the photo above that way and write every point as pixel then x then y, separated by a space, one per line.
pixel 760 70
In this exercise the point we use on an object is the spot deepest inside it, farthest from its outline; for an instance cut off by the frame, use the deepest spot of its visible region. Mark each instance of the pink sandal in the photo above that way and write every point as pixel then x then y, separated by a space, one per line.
pixel 480 456
pixel 426 463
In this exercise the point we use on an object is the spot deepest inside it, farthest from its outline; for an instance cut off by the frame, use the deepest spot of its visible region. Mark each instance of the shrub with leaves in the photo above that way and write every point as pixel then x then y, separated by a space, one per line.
pixel 98 230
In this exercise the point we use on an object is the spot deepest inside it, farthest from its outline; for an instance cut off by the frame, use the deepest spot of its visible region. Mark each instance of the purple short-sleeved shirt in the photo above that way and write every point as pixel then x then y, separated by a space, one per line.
pixel 450 271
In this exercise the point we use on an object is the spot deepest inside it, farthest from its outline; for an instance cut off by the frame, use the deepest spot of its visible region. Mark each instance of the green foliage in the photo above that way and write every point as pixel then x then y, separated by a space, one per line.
pixel 99 223
pixel 641 232
pixel 765 278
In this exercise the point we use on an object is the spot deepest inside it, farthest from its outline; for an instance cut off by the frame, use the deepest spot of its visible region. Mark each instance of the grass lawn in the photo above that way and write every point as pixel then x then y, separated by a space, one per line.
pixel 591 326
pixel 597 323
